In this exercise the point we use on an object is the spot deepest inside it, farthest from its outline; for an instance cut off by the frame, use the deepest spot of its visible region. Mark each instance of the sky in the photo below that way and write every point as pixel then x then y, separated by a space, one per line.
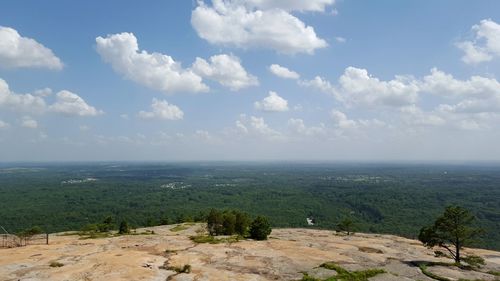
pixel 326 80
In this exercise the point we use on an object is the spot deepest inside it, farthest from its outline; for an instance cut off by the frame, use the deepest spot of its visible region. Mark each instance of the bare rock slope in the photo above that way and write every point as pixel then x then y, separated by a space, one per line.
pixel 285 256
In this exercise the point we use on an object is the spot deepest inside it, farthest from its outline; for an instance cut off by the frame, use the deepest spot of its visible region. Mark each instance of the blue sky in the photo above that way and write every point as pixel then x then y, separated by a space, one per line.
pixel 192 80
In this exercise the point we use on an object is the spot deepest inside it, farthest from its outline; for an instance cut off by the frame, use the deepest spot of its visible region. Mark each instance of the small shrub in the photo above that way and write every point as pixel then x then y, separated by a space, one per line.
pixel 31 231
pixel 260 228
pixel 346 225
pixel 474 261
pixel 184 269
pixel 56 264
pixel 124 228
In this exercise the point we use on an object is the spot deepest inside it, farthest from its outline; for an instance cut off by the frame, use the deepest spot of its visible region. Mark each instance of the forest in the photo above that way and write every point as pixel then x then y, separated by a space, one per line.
pixel 389 198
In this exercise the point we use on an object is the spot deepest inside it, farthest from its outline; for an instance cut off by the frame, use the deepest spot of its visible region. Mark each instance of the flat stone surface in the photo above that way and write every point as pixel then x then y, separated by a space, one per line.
pixel 287 254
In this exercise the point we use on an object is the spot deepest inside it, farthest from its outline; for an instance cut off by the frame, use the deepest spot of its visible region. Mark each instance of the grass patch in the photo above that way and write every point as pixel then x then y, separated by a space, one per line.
pixel 84 235
pixel 424 266
pixel 306 277
pixel 214 240
pixel 495 273
pixel 94 235
pixel 180 227
pixel 344 274
pixel 56 264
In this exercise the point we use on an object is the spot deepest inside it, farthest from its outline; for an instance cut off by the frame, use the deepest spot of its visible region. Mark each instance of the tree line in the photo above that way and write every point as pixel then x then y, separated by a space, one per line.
pixel 231 222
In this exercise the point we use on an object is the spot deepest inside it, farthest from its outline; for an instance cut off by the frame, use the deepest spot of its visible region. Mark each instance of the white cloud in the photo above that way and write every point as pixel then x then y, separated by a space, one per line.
pixel 20 52
pixel 272 103
pixel 70 104
pixel 444 84
pixel 283 72
pixel 45 92
pixel 341 121
pixel 225 69
pixel 298 126
pixel 472 53
pixel 162 110
pixel 20 102
pixel 357 87
pixel 257 127
pixel 4 125
pixel 321 84
pixel 67 103
pixel 28 122
pixel 235 24
pixel 475 95
pixel 486 43
pixel 154 70
pixel 473 106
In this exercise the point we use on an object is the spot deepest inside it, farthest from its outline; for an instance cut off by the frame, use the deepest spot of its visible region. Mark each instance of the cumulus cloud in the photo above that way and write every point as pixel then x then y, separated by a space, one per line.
pixel 321 84
pixel 357 87
pixel 283 72
pixel 66 103
pixel 28 122
pixel 154 70
pixel 70 104
pixel 341 121
pixel 298 126
pixel 225 69
pixel 486 43
pixel 238 24
pixel 257 127
pixel 441 83
pixel 472 103
pixel 272 103
pixel 20 102
pixel 162 110
pixel 45 92
pixel 22 52
pixel 475 95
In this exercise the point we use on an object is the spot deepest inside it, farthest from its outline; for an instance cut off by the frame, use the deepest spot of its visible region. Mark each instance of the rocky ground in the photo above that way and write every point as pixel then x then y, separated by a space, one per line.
pixel 287 254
